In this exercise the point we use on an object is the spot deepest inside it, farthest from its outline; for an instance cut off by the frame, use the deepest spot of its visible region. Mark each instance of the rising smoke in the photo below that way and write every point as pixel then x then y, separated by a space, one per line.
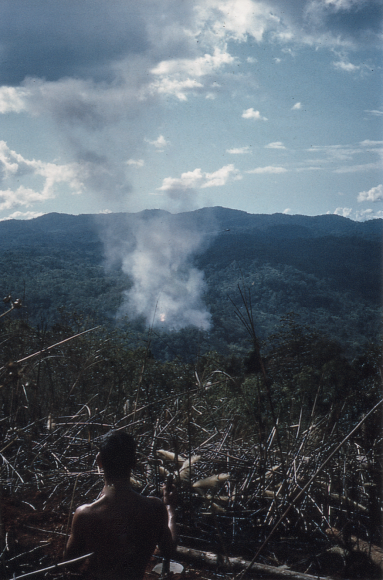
pixel 156 253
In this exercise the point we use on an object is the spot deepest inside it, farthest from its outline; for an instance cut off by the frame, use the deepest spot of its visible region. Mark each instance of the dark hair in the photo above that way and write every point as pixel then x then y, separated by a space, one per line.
pixel 118 454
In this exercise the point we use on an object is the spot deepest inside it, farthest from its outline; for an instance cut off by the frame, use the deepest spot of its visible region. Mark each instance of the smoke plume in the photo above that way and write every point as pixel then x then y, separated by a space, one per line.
pixel 156 253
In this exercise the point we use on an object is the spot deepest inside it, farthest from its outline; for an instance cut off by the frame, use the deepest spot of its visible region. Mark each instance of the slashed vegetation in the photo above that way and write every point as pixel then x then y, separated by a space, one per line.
pixel 277 457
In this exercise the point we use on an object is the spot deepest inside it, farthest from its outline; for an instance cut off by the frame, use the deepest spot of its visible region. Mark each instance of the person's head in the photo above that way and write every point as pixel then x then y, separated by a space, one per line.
pixel 117 454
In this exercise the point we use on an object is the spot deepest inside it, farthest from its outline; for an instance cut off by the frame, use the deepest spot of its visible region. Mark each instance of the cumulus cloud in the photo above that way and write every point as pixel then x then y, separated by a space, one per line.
pixel 180 76
pixel 296 107
pixel 251 114
pixel 346 66
pixel 10 198
pixel 12 100
pixel 13 167
pixel 275 145
pixel 268 169
pixel 178 88
pixel 367 214
pixel 374 194
pixel 221 176
pixel 236 20
pixel 135 162
pixel 20 215
pixel 159 143
pixel 189 180
pixel 239 150
pixel 343 211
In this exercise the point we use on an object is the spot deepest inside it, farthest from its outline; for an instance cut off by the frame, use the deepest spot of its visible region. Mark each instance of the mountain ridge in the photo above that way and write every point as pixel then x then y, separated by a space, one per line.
pixel 327 268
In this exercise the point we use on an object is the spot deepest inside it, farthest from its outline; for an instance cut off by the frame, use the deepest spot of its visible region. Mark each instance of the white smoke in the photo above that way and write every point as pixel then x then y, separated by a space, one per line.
pixel 166 288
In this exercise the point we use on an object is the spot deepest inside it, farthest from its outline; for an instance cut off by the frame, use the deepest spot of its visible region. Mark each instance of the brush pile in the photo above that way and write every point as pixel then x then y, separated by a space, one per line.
pixel 306 495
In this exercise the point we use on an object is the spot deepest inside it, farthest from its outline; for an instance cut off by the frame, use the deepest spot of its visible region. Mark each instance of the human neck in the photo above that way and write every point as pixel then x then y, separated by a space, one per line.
pixel 119 484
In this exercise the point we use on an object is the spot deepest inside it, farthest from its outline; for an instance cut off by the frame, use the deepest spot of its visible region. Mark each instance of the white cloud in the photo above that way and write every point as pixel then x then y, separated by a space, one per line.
pixel 135 162
pixel 175 87
pixel 237 19
pixel 268 169
pixel 14 167
pixel 369 143
pixel 374 194
pixel 20 215
pixel 159 143
pixel 345 66
pixel 288 51
pixel 367 214
pixel 343 211
pixel 188 180
pixel 179 76
pixel 12 100
pixel 360 167
pixel 220 177
pixel 239 150
pixel 251 114
pixel 375 112
pixel 336 152
pixel 309 168
pixel 287 211
pixel 275 145
pixel 296 107
pixel 198 179
pixel 198 67
pixel 26 196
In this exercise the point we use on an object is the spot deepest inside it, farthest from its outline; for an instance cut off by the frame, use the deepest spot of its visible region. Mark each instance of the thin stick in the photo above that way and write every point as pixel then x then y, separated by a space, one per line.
pixel 54 567
pixel 54 345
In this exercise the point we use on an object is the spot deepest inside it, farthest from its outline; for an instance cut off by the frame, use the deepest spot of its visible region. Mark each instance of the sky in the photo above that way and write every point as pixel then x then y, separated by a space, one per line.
pixel 262 106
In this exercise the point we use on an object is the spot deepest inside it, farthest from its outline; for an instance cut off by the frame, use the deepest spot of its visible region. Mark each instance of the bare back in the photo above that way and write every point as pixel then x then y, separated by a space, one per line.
pixel 122 528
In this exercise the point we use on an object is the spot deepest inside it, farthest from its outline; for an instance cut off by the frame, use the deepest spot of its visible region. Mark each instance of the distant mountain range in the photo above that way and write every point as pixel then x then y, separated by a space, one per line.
pixel 327 269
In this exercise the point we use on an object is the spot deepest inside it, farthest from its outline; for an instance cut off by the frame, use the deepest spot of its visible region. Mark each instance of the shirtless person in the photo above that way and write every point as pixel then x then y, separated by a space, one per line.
pixel 122 528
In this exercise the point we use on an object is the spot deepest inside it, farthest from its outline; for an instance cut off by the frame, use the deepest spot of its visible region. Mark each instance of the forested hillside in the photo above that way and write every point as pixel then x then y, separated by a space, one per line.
pixel 274 444
pixel 325 269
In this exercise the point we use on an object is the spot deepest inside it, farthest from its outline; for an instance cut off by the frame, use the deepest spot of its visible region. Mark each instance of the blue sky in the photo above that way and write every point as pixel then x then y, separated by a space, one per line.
pixel 272 106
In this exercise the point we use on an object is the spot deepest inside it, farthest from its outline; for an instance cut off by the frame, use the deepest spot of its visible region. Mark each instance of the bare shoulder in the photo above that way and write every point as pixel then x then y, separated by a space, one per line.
pixel 85 511
pixel 81 514
pixel 152 503
pixel 157 503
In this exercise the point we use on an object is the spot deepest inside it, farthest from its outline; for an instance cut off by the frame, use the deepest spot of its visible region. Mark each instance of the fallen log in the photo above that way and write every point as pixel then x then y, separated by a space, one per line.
pixel 355 544
pixel 238 564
